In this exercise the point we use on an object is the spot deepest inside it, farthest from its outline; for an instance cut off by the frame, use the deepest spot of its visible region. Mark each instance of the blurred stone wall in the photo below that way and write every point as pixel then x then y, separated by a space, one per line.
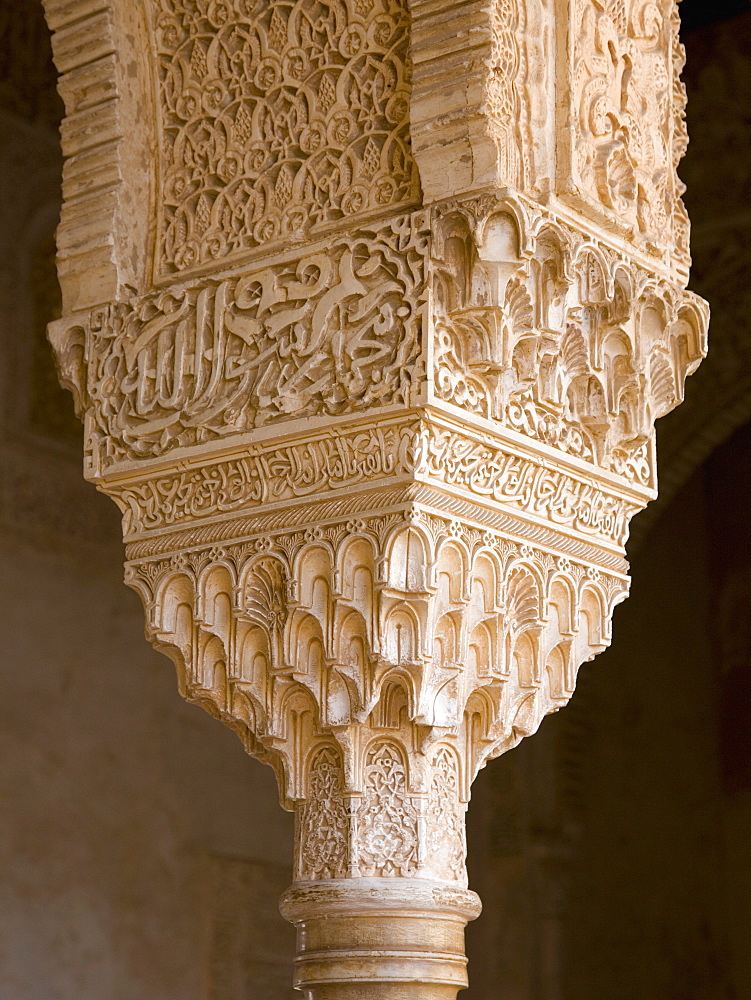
pixel 142 852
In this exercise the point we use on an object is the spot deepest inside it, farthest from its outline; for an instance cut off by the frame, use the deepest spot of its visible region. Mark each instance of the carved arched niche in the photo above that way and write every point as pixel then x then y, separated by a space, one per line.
pixel 369 334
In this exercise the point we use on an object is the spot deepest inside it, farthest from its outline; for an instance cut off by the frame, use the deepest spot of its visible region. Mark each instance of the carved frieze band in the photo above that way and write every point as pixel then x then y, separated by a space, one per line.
pixel 368 457
pixel 355 506
pixel 268 475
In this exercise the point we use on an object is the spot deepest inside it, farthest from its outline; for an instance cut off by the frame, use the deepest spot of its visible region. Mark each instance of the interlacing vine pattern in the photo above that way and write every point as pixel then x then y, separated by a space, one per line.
pixel 387 820
pixel 446 837
pixel 278 118
pixel 323 843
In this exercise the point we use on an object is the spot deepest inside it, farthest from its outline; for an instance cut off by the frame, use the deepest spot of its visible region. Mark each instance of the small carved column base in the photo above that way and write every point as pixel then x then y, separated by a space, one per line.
pixel 380 939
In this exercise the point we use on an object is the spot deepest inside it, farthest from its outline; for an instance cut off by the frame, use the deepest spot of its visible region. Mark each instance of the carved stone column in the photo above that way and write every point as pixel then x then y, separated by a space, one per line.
pixel 373 376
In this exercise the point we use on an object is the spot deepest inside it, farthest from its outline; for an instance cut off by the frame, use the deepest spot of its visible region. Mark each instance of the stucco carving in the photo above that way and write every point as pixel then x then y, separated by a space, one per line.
pixel 627 104
pixel 276 120
pixel 324 844
pixel 442 642
pixel 327 333
pixel 386 819
pixel 565 340
pixel 380 414
pixel 433 451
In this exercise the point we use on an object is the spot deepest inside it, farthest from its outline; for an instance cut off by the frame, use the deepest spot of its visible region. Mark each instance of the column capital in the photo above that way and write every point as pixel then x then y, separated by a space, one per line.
pixel 377 398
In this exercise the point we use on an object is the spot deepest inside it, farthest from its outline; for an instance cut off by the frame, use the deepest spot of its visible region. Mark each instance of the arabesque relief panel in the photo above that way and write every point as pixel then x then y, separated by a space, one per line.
pixel 622 130
pixel 337 330
pixel 277 120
